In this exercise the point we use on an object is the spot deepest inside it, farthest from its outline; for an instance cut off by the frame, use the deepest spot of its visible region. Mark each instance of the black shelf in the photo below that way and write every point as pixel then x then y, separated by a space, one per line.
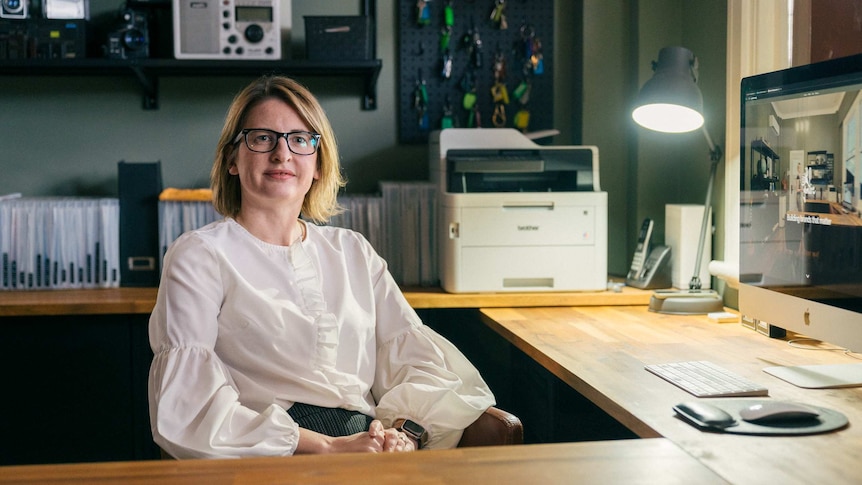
pixel 760 146
pixel 148 71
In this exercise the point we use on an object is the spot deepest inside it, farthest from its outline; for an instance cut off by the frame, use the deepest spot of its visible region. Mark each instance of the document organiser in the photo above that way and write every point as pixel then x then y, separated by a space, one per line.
pixel 517 216
pixel 139 185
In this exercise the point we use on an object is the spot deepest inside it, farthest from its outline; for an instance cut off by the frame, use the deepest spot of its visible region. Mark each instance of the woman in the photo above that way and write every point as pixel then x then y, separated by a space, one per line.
pixel 273 336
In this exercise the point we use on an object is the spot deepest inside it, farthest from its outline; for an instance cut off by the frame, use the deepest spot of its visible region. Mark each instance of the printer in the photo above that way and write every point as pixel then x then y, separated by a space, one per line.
pixel 515 215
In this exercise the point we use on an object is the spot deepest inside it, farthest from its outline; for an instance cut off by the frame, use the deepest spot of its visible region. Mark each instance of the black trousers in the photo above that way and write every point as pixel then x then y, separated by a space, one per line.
pixel 329 421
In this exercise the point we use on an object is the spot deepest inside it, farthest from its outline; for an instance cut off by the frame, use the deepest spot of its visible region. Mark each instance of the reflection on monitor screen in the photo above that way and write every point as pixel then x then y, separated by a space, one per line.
pixel 800 224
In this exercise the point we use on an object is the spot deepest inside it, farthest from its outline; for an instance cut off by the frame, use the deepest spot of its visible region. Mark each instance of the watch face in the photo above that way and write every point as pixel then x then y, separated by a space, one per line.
pixel 413 428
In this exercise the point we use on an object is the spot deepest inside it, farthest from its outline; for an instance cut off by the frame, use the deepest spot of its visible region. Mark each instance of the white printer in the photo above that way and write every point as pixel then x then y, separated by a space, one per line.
pixel 517 216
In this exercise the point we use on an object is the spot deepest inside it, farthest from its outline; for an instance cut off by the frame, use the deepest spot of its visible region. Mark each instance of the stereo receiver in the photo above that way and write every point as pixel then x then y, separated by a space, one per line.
pixel 227 29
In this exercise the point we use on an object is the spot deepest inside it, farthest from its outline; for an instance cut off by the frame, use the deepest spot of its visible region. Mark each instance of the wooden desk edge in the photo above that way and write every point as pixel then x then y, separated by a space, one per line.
pixel 619 461
pixel 437 298
pixel 119 301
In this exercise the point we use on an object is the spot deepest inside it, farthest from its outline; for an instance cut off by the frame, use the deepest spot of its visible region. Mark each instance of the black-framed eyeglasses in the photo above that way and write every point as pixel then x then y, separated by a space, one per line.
pixel 261 140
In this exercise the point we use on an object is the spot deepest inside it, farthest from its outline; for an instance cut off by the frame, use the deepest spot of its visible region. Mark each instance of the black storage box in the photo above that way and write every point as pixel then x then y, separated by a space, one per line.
pixel 339 38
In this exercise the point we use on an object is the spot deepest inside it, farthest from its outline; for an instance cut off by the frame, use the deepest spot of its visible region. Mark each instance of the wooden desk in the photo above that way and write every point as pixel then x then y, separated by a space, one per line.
pixel 633 461
pixel 127 301
pixel 102 334
pixel 601 352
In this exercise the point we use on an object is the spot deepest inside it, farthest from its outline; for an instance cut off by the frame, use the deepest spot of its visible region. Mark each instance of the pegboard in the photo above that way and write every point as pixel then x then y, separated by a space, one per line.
pixel 428 100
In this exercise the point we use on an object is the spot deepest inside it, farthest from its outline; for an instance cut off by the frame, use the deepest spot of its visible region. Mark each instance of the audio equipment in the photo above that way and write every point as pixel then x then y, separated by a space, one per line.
pixel 66 9
pixel 226 29
pixel 131 38
pixel 39 38
pixel 14 9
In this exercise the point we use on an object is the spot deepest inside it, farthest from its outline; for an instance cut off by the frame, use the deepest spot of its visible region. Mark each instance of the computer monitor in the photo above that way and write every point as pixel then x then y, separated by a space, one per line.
pixel 800 225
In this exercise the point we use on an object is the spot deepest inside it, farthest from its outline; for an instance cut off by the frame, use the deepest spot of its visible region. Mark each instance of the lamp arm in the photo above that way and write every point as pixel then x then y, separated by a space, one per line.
pixel 715 157
pixel 714 150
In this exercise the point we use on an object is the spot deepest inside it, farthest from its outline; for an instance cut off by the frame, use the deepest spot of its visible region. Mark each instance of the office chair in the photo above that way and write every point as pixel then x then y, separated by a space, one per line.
pixel 494 427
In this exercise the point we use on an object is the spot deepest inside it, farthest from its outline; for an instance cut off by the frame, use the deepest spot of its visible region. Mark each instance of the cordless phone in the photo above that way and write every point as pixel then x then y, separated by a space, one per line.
pixel 650 266
pixel 641 251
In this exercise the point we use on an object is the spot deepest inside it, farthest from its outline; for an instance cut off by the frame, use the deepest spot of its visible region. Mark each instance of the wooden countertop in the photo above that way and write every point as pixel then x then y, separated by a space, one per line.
pixel 601 353
pixel 101 301
pixel 437 298
pixel 141 300
pixel 835 213
pixel 632 461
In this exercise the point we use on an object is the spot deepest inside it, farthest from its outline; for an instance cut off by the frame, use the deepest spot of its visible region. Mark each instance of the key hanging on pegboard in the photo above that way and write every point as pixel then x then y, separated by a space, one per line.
pixel 499 91
pixel 498 15
pixel 420 102
pixel 463 83
pixel 423 12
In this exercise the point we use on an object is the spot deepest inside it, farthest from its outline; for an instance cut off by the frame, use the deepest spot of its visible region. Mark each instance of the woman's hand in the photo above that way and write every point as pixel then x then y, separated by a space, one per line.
pixel 376 440
pixel 391 438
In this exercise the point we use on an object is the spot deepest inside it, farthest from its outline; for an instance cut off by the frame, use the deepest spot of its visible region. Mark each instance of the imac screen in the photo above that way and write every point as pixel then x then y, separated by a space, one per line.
pixel 800 224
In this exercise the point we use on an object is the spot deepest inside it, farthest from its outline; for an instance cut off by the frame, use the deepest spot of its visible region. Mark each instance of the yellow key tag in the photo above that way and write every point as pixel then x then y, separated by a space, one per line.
pixel 500 93
pixel 522 119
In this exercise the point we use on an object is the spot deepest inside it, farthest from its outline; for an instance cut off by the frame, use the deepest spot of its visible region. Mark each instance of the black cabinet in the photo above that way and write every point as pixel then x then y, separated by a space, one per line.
pixel 550 410
pixel 75 389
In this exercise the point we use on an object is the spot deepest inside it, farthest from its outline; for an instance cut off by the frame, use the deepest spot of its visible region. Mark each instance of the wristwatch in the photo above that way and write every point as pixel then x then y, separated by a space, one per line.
pixel 413 430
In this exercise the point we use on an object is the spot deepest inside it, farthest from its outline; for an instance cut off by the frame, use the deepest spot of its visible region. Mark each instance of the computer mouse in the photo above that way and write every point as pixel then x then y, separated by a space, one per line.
pixel 705 415
pixel 773 411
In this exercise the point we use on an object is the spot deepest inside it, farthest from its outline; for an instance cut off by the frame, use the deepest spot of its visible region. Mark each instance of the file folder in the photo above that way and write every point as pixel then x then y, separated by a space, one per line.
pixel 139 185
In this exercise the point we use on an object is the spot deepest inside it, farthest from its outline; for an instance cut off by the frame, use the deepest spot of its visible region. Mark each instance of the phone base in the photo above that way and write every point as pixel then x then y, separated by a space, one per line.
pixel 686 302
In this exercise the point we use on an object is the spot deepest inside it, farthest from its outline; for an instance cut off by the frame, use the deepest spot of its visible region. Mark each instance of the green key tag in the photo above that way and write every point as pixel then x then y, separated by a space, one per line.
pixel 520 90
pixel 448 16
pixel 447 122
pixel 445 37
pixel 469 100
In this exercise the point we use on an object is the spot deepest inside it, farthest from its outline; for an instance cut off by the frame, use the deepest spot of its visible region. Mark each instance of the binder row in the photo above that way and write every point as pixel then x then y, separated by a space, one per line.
pixel 177 217
pixel 59 242
pixel 397 224
pixel 54 243
pixel 363 214
pixel 410 241
pixel 400 224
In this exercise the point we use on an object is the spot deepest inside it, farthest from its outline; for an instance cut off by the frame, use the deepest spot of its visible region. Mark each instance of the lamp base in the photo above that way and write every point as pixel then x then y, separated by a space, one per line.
pixel 686 302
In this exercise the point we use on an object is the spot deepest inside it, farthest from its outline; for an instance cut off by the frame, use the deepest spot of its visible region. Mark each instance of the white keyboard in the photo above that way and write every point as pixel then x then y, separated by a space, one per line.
pixel 705 379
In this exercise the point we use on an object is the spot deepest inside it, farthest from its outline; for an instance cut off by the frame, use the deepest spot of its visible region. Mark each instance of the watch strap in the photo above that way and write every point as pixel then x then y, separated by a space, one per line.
pixel 413 430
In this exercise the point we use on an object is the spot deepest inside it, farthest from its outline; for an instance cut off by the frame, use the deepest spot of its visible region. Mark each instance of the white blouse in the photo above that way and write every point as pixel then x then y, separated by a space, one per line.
pixel 242 329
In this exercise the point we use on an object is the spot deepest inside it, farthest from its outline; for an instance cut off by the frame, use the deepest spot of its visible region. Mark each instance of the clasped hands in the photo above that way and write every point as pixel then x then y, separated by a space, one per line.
pixel 376 440
pixel 389 439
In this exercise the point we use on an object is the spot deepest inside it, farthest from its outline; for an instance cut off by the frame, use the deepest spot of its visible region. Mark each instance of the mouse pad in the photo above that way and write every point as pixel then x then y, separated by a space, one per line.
pixel 828 420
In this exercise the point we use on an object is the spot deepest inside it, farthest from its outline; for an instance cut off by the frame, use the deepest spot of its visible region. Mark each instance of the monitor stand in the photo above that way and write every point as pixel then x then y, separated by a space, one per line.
pixel 824 376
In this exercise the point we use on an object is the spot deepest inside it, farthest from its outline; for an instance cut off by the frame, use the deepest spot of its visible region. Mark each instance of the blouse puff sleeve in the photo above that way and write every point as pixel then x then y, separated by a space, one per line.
pixel 194 407
pixel 420 375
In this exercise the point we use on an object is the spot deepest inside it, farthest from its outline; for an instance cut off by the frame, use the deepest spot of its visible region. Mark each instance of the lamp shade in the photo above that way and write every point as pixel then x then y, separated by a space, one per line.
pixel 671 101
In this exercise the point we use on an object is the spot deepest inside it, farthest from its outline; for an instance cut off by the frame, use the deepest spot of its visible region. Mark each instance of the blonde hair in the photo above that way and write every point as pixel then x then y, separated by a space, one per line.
pixel 321 202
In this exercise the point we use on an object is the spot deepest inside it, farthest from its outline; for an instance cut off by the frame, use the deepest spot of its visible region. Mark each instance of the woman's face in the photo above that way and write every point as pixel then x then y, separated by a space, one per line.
pixel 280 176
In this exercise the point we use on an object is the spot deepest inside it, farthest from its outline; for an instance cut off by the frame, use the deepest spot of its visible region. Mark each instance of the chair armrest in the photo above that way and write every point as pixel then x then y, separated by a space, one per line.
pixel 493 428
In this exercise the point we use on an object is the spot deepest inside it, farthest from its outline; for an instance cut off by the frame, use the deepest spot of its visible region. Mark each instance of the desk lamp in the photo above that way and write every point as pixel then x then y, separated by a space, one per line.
pixel 671 102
